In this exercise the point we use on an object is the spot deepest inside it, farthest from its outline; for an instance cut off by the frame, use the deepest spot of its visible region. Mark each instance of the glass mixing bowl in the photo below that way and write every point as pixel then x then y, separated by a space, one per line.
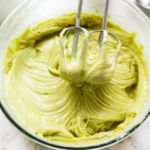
pixel 33 11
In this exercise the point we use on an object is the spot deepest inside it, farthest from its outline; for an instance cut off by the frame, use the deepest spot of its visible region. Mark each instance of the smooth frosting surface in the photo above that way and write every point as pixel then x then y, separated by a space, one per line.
pixel 73 101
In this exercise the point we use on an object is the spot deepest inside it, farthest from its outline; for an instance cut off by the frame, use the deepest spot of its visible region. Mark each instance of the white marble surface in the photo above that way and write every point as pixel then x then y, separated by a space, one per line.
pixel 12 139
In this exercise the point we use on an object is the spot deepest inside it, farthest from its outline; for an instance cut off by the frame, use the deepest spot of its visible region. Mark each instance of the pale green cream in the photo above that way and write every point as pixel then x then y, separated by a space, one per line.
pixel 68 105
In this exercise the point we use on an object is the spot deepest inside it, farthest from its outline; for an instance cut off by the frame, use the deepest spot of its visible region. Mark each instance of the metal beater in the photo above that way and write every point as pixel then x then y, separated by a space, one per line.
pixel 104 38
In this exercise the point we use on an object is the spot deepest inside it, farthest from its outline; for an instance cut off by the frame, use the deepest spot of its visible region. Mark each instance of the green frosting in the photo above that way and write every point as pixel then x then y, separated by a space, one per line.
pixel 73 101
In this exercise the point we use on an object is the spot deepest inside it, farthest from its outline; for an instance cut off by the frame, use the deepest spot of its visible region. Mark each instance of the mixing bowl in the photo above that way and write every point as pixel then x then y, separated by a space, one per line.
pixel 31 12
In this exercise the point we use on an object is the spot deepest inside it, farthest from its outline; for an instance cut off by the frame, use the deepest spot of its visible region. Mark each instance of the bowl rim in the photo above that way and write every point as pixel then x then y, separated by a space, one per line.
pixel 57 146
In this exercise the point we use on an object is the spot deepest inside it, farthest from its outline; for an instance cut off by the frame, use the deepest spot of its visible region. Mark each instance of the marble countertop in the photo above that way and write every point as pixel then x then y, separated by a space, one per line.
pixel 12 139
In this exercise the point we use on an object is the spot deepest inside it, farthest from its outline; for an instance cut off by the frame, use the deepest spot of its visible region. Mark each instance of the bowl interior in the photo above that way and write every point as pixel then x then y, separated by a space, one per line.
pixel 32 12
